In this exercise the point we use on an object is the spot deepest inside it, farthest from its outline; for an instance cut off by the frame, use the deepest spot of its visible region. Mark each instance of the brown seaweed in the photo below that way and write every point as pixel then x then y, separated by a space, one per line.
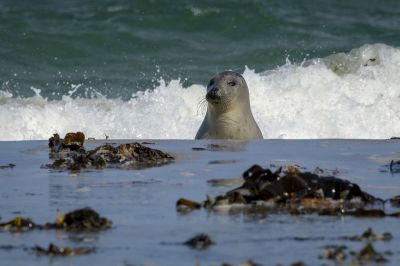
pixel 79 220
pixel 185 205
pixel 69 154
pixel 369 254
pixel 365 255
pixel 291 186
pixel 370 235
pixel 366 213
pixel 74 138
pixel 71 142
pixel 339 254
pixel 18 224
pixel 84 219
pixel 335 253
pixel 200 241
pixel 53 250
pixel 297 193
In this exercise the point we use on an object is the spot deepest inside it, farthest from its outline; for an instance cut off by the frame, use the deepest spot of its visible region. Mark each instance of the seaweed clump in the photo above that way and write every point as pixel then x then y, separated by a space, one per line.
pixel 84 219
pixel 53 250
pixel 369 254
pixel 370 235
pixel 200 241
pixel 18 224
pixel 291 186
pixel 80 220
pixel 294 191
pixel 366 255
pixel 69 154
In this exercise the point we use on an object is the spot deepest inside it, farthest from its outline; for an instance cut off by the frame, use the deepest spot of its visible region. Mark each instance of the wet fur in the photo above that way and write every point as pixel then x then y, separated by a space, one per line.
pixel 228 110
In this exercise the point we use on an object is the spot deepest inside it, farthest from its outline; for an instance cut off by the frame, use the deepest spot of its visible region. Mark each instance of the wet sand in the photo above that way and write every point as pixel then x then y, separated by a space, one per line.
pixel 147 229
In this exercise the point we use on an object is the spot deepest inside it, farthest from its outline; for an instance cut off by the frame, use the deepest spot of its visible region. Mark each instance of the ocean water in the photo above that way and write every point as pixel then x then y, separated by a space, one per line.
pixel 147 229
pixel 138 69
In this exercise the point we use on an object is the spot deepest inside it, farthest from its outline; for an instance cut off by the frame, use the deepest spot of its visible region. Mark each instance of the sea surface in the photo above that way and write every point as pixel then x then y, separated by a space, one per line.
pixel 138 69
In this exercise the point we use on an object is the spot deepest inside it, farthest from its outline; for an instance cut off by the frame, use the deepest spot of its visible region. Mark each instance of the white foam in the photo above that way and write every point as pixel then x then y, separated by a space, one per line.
pixel 312 100
pixel 169 111
pixel 315 102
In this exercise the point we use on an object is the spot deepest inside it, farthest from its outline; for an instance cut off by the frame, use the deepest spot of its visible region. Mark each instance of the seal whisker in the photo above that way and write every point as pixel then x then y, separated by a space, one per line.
pixel 202 106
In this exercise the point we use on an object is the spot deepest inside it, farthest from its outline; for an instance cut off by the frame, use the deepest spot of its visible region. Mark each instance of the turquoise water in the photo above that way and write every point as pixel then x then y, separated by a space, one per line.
pixel 116 48
pixel 138 69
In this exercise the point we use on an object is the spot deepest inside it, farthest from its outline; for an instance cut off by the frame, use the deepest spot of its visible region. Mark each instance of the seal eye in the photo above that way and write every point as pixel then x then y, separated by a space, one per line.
pixel 231 83
pixel 211 83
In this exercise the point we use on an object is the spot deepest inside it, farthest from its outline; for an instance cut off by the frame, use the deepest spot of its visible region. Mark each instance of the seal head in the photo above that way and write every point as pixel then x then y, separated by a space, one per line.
pixel 229 114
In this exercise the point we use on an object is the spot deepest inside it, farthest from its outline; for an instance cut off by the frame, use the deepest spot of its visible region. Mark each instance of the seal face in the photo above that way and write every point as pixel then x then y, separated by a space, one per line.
pixel 228 110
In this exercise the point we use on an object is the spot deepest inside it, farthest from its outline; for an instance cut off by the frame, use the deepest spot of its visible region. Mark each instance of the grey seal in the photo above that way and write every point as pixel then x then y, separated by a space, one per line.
pixel 228 114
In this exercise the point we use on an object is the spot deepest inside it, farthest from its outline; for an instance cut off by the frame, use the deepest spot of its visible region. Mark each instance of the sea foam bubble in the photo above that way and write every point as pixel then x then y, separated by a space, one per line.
pixel 352 95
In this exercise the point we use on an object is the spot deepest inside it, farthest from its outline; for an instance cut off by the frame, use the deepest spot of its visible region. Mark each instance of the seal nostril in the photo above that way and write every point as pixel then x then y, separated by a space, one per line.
pixel 214 90
pixel 212 94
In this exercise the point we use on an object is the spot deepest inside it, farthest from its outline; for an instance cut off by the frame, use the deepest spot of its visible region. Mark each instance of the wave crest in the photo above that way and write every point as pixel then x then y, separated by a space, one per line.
pixel 344 95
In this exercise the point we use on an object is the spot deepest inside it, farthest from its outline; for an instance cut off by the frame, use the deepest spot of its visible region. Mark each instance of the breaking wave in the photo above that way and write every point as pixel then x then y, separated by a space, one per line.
pixel 344 95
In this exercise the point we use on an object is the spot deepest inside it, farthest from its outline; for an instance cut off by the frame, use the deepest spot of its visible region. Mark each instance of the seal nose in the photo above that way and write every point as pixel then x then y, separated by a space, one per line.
pixel 213 93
